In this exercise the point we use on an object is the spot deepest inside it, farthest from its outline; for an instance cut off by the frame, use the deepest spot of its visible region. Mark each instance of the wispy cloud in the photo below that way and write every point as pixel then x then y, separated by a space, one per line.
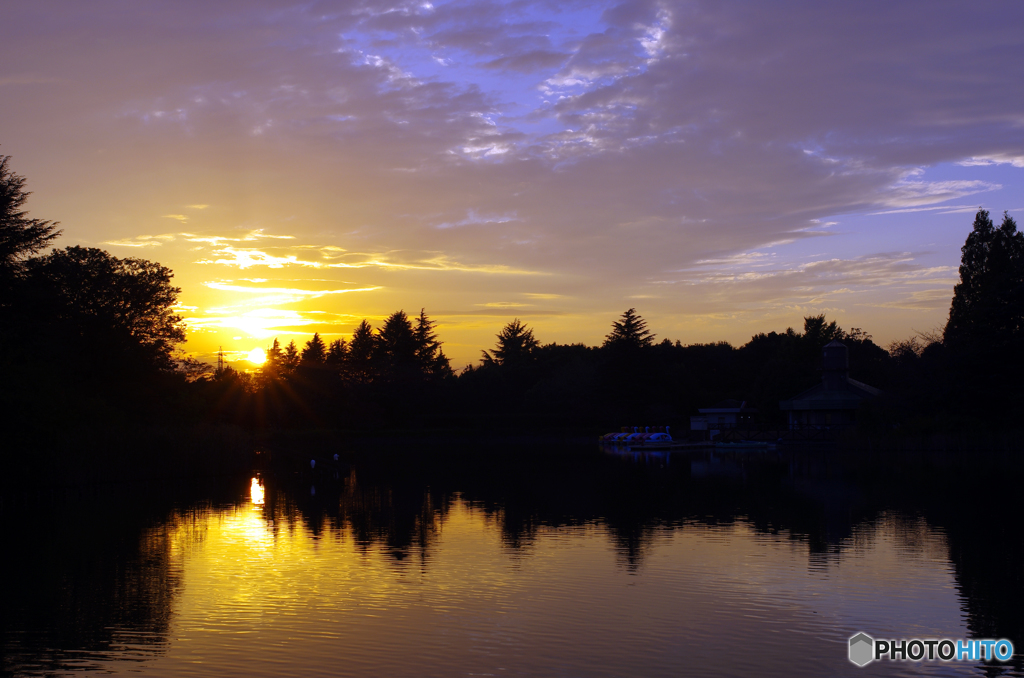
pixel 264 323
pixel 294 292
pixel 143 241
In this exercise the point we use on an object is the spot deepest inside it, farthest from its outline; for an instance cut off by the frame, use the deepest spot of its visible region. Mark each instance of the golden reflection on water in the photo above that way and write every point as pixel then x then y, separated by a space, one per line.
pixel 264 594
pixel 256 491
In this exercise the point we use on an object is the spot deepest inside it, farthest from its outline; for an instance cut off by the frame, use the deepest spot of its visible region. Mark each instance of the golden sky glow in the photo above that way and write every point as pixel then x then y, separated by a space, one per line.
pixel 493 161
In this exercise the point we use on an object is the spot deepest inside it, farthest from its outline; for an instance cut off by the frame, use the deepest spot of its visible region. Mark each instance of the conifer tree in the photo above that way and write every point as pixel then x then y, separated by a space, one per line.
pixel 290 359
pixel 988 302
pixel 396 346
pixel 359 365
pixel 337 352
pixel 272 365
pixel 20 236
pixel 314 352
pixel 432 360
pixel 515 346
pixel 630 332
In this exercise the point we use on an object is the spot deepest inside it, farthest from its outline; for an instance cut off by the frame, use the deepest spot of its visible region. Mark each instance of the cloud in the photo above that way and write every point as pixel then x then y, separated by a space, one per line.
pixel 244 258
pixel 604 146
pixel 264 323
pixel 474 219
pixel 142 240
pixel 994 159
pixel 527 62
pixel 292 292
pixel 505 304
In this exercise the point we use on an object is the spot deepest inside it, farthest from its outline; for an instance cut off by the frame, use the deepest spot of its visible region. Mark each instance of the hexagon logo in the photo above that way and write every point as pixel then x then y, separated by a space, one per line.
pixel 862 649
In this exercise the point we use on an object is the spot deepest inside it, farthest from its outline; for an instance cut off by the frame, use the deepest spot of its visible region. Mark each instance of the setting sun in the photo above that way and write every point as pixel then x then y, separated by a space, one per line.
pixel 257 356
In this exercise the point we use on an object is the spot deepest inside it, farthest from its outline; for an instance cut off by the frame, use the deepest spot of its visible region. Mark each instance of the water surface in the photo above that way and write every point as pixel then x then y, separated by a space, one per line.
pixel 514 563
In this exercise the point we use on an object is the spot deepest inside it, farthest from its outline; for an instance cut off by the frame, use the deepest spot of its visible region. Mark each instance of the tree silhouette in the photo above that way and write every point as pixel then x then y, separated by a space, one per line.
pixel 337 352
pixel 630 332
pixel 432 360
pixel 290 360
pixel 20 236
pixel 274 354
pixel 314 352
pixel 396 347
pixel 119 307
pixel 515 346
pixel 988 302
pixel 360 354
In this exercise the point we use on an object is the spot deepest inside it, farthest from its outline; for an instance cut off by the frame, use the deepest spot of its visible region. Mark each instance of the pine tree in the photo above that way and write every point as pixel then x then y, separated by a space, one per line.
pixel 273 364
pixel 337 352
pixel 988 303
pixel 432 360
pixel 314 352
pixel 630 332
pixel 20 236
pixel 395 353
pixel 515 346
pixel 359 365
pixel 290 359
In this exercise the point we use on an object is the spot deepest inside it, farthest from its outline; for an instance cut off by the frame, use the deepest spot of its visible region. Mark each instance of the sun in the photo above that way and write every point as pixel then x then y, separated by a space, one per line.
pixel 257 356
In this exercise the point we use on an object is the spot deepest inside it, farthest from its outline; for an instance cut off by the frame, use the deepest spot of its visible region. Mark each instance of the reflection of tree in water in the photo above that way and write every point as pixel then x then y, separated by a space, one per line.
pixel 84 580
pixel 828 505
pixel 398 502
pixel 976 502
pixel 92 581
pixel 401 517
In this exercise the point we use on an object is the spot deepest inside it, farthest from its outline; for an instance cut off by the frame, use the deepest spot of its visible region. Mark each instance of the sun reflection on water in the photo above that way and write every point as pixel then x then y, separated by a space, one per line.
pixel 256 491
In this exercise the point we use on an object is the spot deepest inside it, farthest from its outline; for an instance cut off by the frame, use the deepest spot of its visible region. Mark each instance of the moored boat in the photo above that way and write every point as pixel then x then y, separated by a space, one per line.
pixel 660 435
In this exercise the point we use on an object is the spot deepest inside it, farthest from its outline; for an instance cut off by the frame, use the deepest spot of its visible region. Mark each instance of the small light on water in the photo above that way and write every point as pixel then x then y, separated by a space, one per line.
pixel 256 491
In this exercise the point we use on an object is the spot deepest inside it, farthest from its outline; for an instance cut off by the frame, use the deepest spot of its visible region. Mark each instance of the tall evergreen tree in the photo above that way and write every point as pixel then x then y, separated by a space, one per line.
pixel 515 346
pixel 433 362
pixel 359 366
pixel 20 235
pixel 988 302
pixel 984 336
pixel 314 352
pixel 272 365
pixel 290 360
pixel 396 346
pixel 337 352
pixel 630 332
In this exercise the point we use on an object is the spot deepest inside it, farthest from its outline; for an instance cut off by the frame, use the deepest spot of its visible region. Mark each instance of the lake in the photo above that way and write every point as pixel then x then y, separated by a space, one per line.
pixel 496 561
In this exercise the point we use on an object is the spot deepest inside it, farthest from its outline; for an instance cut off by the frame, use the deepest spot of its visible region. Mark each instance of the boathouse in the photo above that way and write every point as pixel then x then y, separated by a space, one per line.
pixel 726 414
pixel 833 403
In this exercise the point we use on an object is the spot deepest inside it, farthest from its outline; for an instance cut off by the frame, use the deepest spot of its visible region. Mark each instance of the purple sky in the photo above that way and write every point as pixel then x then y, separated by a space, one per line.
pixel 724 167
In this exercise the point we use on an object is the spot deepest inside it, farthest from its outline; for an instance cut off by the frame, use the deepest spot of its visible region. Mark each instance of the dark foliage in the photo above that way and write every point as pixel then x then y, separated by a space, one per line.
pixel 103 333
pixel 630 332
pixel 515 346
pixel 20 235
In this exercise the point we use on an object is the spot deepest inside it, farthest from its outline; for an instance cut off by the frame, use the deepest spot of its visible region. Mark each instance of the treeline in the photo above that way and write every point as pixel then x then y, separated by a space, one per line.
pixel 398 377
pixel 90 339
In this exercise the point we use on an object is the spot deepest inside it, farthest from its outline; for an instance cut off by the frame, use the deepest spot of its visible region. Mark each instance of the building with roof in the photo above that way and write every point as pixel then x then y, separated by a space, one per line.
pixel 833 403
pixel 726 414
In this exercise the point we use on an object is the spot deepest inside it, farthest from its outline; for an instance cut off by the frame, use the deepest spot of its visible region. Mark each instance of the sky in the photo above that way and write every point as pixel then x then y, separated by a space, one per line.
pixel 725 168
